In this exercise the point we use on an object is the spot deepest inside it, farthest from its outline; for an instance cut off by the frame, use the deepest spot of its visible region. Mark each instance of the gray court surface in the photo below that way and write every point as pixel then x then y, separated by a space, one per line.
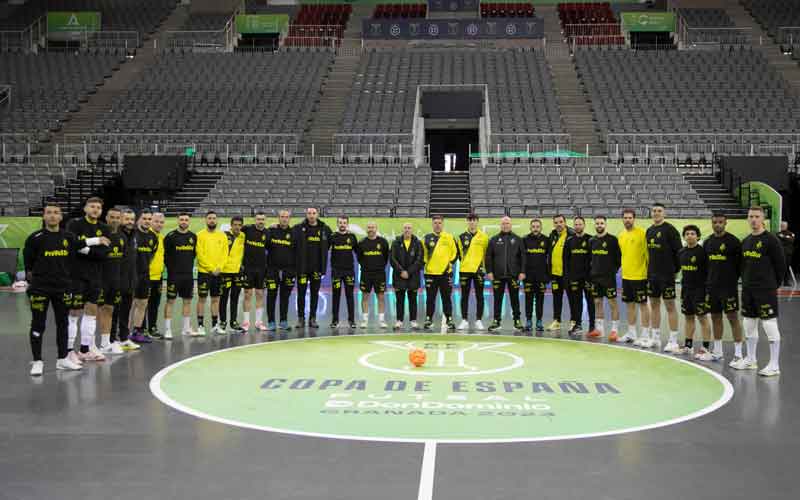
pixel 100 434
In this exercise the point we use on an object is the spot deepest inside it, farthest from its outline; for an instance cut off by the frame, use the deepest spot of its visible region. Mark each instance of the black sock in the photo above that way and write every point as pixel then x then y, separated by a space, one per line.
pixel 688 343
pixel 200 320
pixel 213 321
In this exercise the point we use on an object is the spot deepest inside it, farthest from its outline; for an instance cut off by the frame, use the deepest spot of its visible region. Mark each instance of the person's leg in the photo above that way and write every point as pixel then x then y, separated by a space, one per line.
pixel 350 298
pixel 558 297
pixel 590 310
pixel 513 297
pixel 498 290
pixel 259 293
pixel 480 302
pixel 672 318
pixel 247 303
pixel 215 291
pixel 575 303
pixel 465 282
pixel 689 327
pixel 39 303
pixel 186 311
pixel 302 287
pixel 60 314
pixel 153 303
pixel 315 282
pixel 538 295
pixel 654 325
pixel 446 290
pixel 272 296
pixel 104 323
pixel 530 295
pixel 630 310
pixel 168 307
pixel 202 294
pixel 336 295
pixel 430 298
pixel 412 303
pixel 381 304
pixel 123 312
pixel 736 330
pixel 233 300
pixel 400 304
pixel 287 283
pixel 227 284
pixel 88 327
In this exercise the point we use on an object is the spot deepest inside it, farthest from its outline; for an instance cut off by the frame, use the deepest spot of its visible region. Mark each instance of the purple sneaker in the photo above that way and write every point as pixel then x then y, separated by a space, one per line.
pixel 140 338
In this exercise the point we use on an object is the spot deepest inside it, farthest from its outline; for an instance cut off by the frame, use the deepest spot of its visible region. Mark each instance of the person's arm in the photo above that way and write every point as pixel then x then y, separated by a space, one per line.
pixel 385 251
pixel 523 257
pixel 777 259
pixel 565 260
pixel 617 256
pixel 675 242
pixel 29 255
pixel 416 264
pixel 202 254
pixel 359 253
pixel 395 256
pixel 459 248
pixel 488 258
pixel 453 251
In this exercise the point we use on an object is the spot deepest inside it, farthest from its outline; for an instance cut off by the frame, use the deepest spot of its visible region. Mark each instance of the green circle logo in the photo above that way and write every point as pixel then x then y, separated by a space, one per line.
pixel 472 388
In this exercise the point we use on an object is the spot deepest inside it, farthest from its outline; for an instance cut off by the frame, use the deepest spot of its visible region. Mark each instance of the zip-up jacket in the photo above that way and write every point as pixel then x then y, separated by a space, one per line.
pixel 505 256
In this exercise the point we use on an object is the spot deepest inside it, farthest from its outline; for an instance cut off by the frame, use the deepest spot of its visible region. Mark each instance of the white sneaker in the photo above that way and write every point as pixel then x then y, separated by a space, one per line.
pixel 363 324
pixel 37 368
pixel 743 364
pixel 201 332
pixel 74 358
pixel 717 356
pixel 637 342
pixel 94 354
pixel 769 371
pixel 67 364
pixel 655 343
pixel 627 339
pixel 463 325
pixel 112 348
pixel 168 334
pixel 187 333
pixel 703 355
pixel 398 325
pixel 414 325
pixel 672 347
pixel 383 324
pixel 219 330
pixel 644 343
pixel 129 345
pixel 479 325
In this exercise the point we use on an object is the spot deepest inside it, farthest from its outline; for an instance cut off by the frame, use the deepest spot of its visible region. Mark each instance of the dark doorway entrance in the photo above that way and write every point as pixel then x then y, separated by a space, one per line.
pixel 453 147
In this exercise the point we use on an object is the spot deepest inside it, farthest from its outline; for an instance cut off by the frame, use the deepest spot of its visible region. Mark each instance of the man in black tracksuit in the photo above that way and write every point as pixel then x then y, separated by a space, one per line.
pixel 48 254
pixel 605 263
pixel 537 273
pixel 122 311
pixel 344 246
pixel 281 264
pixel 407 260
pixel 577 269
pixel 311 239
pixel 663 244
pixel 505 268
pixel 146 247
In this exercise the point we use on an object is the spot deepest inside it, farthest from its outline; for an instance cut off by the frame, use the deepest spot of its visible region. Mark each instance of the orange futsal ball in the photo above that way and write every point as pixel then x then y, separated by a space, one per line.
pixel 417 357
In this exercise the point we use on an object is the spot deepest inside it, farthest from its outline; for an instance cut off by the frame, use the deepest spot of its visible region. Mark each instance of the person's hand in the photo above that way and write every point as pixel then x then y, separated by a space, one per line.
pixel 404 275
pixel 521 276
pixel 490 276
pixel 105 241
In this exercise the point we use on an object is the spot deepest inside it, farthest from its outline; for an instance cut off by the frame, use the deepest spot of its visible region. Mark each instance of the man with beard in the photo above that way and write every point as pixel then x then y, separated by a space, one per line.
pixel 633 261
pixel 344 247
pixel 558 238
pixel 537 254
pixel 120 321
pixel 254 272
pixel 180 247
pixel 373 254
pixel 311 244
pixel 146 246
pixel 212 253
pixel 441 252
pixel 472 245
pixel 156 277
pixel 231 278
pixel 577 262
pixel 606 260
pixel 87 279
pixel 112 282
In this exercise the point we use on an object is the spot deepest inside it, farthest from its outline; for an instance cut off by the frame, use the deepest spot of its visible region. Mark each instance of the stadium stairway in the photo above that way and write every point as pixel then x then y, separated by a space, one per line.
pixel 576 113
pixel 763 42
pixel 336 88
pixel 450 194
pixel 89 182
pixel 715 196
pixel 84 120
pixel 193 192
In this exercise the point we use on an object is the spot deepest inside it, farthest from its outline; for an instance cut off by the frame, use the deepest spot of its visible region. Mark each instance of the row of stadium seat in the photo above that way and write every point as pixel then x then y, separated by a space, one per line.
pixel 706 17
pixel 513 9
pixel 400 11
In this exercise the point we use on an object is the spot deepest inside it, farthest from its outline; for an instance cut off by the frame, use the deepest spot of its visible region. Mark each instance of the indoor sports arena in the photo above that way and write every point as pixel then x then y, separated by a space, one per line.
pixel 399 249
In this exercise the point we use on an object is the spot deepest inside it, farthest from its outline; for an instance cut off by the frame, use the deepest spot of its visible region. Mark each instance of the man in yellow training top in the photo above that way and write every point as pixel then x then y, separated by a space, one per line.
pixel 558 238
pixel 212 254
pixel 156 272
pixel 633 247
pixel 472 245
pixel 231 278
pixel 440 252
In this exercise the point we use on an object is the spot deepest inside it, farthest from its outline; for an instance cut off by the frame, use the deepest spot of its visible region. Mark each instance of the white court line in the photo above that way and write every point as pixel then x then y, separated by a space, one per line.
pixel 427 472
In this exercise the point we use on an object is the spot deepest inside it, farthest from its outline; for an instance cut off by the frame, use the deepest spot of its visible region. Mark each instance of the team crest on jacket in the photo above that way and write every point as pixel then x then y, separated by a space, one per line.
pixel 191 240
pixel 583 244
pixel 379 246
pixel 99 233
pixel 758 245
pixel 658 234
pixel 65 243
pixel 722 247
pixel 541 243
pixel 604 244
pixel 693 259
pixel 263 237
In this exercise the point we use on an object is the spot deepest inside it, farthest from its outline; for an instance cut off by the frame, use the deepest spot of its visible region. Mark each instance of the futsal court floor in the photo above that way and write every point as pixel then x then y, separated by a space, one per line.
pixel 102 434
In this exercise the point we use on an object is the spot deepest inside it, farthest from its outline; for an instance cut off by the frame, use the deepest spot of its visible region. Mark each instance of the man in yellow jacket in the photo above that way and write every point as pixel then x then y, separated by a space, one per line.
pixel 472 245
pixel 212 254
pixel 440 251
pixel 231 278
pixel 156 271
pixel 633 247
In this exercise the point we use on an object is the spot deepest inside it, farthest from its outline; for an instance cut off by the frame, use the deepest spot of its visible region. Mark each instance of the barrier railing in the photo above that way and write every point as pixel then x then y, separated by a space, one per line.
pixel 373 147
pixel 648 145
pixel 15 40
pixel 312 42
pixel 722 36
pixel 594 34
pixel 505 147
pixel 195 40
pixel 788 35
pixel 105 39
pixel 316 30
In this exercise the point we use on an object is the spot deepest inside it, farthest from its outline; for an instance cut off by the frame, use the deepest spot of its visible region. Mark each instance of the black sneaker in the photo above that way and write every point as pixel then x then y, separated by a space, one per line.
pixel 353 327
pixel 428 325
pixel 451 326
pixel 154 333
pixel 223 325
pixel 236 327
pixel 334 324
pixel 518 326
pixel 301 323
pixel 312 323
pixel 494 326
pixel 575 331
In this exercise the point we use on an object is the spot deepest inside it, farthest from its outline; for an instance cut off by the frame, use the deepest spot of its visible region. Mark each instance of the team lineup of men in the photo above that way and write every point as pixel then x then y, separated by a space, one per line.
pixel 106 278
